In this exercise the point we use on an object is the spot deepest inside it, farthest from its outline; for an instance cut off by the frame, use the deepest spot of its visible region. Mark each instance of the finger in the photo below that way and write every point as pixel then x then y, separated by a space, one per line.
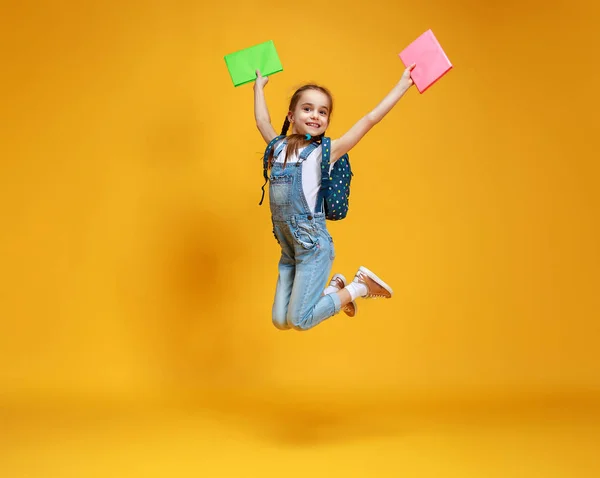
pixel 258 74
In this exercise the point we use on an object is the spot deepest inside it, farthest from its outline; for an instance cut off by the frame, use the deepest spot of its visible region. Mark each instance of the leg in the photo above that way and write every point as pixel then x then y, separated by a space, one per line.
pixel 365 285
pixel 314 253
pixel 344 296
pixel 283 292
pixel 337 284
pixel 285 278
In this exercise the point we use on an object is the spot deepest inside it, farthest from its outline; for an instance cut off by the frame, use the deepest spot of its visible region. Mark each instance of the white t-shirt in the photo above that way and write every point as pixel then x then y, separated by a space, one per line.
pixel 311 172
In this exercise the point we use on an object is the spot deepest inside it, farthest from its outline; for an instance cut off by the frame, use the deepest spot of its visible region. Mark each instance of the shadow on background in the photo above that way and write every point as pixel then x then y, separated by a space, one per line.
pixel 342 419
pixel 284 421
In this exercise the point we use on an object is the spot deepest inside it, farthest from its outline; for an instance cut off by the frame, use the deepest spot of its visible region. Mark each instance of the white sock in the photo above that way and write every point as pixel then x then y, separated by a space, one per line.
pixel 330 289
pixel 357 289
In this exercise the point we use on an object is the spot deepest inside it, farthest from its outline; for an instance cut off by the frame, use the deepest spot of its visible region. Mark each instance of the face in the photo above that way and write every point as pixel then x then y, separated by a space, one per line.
pixel 311 114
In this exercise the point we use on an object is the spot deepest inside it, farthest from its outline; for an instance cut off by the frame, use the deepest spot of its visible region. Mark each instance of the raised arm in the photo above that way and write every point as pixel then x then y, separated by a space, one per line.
pixel 261 112
pixel 345 143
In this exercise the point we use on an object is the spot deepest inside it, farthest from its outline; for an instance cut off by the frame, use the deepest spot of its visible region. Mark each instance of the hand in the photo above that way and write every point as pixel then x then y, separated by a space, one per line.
pixel 406 81
pixel 260 81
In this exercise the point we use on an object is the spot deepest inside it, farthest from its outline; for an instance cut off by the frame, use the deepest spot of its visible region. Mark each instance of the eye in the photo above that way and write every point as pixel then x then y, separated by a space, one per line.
pixel 324 113
pixel 306 108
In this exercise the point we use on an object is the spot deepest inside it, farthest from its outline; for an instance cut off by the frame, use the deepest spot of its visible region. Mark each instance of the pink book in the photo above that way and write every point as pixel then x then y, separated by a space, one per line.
pixel 431 60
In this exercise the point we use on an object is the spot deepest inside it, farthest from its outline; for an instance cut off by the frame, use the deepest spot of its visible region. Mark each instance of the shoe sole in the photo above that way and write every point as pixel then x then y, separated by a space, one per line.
pixel 370 274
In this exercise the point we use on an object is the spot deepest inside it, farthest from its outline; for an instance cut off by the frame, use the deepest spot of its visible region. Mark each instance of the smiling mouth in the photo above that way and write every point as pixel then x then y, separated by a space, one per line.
pixel 313 125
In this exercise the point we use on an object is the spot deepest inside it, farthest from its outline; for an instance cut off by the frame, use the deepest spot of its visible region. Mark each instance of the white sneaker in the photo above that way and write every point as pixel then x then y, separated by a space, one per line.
pixel 376 288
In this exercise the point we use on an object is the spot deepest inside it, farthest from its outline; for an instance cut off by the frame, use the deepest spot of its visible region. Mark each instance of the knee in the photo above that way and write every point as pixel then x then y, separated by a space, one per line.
pixel 298 323
pixel 280 323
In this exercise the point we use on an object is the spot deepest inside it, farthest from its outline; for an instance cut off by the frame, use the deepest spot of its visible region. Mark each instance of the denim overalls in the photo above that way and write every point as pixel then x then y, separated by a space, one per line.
pixel 307 250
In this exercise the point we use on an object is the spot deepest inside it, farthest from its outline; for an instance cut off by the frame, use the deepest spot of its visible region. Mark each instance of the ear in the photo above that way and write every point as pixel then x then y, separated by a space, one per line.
pixel 290 117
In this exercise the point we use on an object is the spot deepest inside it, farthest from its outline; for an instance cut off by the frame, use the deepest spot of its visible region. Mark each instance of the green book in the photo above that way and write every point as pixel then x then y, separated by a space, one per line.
pixel 242 64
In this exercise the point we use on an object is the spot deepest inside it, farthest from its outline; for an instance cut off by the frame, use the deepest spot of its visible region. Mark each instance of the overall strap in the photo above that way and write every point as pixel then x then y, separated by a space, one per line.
pixel 306 152
pixel 325 179
pixel 266 163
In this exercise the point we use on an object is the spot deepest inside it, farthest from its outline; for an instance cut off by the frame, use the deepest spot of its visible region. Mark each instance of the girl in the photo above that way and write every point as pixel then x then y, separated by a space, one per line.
pixel 307 250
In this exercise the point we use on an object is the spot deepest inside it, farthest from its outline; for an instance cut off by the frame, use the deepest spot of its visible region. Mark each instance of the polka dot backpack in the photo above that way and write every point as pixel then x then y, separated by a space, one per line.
pixel 335 186
pixel 334 193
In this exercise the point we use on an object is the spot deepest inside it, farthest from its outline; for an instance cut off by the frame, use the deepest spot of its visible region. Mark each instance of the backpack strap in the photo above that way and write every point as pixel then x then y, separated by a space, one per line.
pixel 325 178
pixel 279 149
pixel 266 162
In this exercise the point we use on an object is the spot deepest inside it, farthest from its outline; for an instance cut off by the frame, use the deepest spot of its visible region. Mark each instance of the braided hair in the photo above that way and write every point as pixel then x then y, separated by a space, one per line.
pixel 297 141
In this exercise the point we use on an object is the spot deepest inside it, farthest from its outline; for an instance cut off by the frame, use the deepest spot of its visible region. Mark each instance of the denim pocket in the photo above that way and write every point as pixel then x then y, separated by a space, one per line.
pixel 280 190
pixel 305 235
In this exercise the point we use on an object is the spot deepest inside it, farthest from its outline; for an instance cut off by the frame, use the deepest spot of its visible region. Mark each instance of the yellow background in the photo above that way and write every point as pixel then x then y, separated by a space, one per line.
pixel 139 271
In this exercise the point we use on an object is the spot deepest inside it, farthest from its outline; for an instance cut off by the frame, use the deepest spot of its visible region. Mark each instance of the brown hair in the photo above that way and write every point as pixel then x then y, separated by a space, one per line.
pixel 296 141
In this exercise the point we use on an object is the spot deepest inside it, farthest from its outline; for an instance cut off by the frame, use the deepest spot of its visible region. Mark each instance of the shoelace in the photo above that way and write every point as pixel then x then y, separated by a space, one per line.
pixel 372 295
